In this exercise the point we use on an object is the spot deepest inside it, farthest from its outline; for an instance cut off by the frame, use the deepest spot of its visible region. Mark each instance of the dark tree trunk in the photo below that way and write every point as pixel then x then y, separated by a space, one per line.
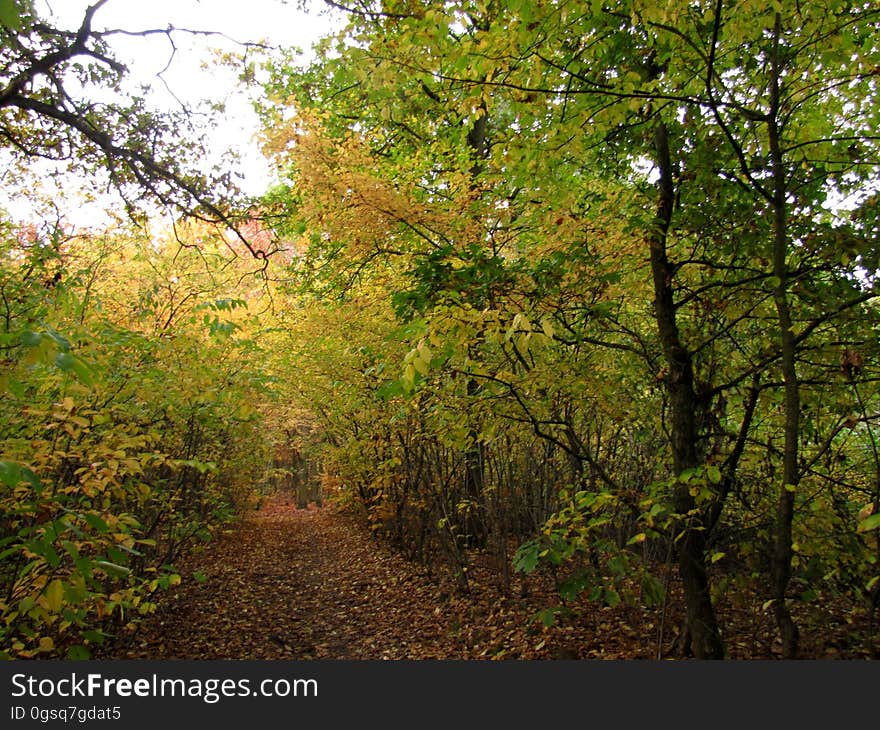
pixel 474 523
pixel 683 407
pixel 782 553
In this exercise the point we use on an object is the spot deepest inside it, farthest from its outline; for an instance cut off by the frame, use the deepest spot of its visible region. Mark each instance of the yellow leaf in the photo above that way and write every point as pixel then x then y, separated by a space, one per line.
pixel 54 595
pixel 46 643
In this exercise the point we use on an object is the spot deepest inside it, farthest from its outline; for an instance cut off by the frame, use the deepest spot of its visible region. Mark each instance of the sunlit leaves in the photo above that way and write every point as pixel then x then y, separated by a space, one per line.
pixel 13 13
pixel 118 438
pixel 869 523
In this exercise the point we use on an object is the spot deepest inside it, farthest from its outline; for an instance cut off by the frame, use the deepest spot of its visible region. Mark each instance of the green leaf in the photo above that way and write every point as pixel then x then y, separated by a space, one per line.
pixel 612 597
pixel 84 567
pixel 527 557
pixel 71 549
pixel 11 12
pixel 117 571
pixel 870 523
pixel 547 616
pixel 12 474
pixel 60 340
pixel 47 550
pixel 29 338
pixel 64 361
pixel 71 364
pixel 653 591
pixel 9 551
pixel 96 522
pixel 78 653
pixel 809 595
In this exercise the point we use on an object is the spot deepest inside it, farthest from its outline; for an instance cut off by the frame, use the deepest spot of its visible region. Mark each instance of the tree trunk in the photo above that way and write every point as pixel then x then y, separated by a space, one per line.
pixel 683 404
pixel 782 552
pixel 474 523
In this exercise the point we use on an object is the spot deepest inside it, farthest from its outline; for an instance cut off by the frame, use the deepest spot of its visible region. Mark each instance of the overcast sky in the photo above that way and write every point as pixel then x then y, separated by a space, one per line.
pixel 281 22
pixel 188 77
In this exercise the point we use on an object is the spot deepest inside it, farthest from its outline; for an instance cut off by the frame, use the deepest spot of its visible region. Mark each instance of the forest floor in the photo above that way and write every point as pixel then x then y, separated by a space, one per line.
pixel 287 583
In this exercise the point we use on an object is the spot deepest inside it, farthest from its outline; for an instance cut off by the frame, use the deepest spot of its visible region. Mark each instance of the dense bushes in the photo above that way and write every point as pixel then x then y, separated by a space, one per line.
pixel 127 430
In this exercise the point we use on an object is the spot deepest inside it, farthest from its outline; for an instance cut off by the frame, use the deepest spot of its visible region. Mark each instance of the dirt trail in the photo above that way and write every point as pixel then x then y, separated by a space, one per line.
pixel 314 584
pixel 295 584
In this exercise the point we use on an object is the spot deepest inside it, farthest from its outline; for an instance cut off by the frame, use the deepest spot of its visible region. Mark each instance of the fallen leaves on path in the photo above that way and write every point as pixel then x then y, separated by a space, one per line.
pixel 315 584
pixel 301 584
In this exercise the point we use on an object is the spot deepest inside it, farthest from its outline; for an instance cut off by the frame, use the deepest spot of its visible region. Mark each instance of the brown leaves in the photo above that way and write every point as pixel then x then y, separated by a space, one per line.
pixel 314 584
pixel 851 363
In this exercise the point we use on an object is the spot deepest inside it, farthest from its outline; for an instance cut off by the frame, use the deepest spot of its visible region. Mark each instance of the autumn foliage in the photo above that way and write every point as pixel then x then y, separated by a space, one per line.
pixel 583 294
pixel 122 442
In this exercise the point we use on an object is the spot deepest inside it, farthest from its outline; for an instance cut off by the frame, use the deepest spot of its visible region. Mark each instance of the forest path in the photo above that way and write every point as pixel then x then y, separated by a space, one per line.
pixel 287 583
pixel 291 583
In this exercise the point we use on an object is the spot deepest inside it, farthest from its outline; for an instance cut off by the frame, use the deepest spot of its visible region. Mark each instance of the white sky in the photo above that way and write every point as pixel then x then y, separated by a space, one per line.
pixel 277 22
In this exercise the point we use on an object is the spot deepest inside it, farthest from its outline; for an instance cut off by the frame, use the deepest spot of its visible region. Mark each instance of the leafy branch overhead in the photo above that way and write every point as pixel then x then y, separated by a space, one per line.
pixel 52 107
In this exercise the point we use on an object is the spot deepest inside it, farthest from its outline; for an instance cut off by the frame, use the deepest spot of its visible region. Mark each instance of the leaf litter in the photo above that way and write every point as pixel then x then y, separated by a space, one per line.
pixel 288 583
